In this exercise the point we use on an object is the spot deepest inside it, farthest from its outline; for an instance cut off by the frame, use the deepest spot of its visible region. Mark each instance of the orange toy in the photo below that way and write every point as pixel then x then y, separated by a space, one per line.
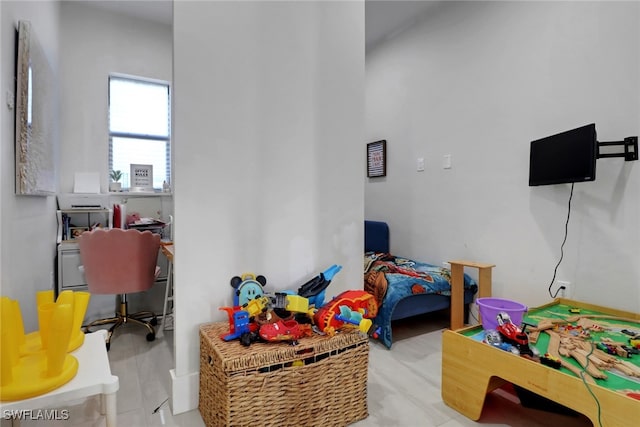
pixel 327 318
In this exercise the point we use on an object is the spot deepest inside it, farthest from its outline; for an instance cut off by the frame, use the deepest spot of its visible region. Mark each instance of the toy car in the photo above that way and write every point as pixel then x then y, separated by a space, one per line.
pixel 512 334
pixel 549 360
pixel 284 330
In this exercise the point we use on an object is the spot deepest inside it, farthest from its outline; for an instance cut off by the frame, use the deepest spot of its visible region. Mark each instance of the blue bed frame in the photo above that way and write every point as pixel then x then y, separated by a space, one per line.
pixel 376 239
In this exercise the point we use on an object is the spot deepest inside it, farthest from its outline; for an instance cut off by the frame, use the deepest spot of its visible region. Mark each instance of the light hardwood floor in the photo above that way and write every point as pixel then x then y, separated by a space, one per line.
pixel 403 386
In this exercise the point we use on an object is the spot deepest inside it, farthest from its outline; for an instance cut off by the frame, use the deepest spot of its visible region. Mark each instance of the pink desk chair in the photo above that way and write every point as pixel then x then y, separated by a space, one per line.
pixel 118 261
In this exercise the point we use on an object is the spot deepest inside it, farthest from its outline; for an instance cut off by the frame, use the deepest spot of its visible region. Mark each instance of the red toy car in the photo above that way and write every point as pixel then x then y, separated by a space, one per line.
pixel 512 334
pixel 284 330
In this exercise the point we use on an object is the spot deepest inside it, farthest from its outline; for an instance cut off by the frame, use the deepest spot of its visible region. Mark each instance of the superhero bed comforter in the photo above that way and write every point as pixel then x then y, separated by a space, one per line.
pixel 404 287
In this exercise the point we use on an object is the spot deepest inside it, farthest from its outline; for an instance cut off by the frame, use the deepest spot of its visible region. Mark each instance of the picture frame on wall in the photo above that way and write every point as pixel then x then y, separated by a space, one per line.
pixel 141 177
pixel 377 159
pixel 35 169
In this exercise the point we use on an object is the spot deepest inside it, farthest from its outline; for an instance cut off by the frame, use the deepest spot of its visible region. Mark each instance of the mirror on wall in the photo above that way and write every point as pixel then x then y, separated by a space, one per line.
pixel 35 167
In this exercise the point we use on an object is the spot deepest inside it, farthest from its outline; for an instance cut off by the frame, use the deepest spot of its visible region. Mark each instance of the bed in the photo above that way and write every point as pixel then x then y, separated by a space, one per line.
pixel 404 287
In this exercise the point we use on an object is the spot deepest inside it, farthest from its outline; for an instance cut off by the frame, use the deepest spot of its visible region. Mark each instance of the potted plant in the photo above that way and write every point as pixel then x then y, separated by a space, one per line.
pixel 115 185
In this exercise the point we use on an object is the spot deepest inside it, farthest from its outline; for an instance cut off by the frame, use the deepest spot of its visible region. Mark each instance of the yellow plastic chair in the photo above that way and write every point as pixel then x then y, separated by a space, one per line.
pixel 36 373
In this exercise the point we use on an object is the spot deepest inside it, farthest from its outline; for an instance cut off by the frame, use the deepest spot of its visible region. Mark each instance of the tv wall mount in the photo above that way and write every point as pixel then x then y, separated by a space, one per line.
pixel 630 145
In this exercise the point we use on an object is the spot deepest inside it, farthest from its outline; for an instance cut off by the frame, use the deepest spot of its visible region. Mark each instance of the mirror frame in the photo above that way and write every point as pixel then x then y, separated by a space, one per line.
pixel 35 165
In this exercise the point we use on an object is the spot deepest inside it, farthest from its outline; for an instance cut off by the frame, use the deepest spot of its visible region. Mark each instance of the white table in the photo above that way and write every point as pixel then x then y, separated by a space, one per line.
pixel 93 377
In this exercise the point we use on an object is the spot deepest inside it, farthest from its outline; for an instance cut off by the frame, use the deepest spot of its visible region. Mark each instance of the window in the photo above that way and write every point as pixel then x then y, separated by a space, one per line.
pixel 139 127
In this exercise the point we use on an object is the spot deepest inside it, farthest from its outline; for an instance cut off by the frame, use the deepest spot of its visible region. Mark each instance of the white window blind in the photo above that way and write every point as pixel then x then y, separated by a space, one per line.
pixel 139 127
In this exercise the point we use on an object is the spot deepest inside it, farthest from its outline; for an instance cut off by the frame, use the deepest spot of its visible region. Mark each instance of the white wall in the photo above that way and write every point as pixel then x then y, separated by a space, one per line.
pixel 27 243
pixel 83 44
pixel 268 128
pixel 479 81
pixel 95 42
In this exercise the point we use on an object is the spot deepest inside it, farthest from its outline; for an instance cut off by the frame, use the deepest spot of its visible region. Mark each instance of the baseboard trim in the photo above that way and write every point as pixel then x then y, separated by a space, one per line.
pixel 184 392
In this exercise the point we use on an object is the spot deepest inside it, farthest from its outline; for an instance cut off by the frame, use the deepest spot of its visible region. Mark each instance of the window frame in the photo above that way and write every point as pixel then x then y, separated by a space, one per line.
pixel 130 135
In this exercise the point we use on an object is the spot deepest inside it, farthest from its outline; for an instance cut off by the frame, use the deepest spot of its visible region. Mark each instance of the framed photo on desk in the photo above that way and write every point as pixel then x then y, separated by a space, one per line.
pixel 141 177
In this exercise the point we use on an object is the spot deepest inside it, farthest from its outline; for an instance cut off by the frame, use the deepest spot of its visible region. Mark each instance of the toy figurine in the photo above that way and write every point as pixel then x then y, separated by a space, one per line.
pixel 247 287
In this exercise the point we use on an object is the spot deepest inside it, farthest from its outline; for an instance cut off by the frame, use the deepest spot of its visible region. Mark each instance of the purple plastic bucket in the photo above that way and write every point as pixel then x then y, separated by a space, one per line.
pixel 490 307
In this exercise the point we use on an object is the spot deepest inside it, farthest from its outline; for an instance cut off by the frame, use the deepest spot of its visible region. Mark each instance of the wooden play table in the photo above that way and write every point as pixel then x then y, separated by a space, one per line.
pixel 471 369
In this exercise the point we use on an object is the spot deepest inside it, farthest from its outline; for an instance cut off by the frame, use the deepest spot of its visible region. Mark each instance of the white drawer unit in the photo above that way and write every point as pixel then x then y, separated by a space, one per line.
pixel 69 274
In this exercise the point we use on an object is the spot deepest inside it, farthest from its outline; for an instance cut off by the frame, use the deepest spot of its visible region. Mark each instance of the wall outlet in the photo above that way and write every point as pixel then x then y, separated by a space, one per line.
pixel 565 288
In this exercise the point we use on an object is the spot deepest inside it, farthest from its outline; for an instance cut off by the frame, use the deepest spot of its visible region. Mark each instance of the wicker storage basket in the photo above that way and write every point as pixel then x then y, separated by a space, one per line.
pixel 321 381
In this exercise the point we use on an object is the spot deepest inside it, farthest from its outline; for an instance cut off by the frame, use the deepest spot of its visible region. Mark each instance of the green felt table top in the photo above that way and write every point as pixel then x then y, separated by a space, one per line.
pixel 616 380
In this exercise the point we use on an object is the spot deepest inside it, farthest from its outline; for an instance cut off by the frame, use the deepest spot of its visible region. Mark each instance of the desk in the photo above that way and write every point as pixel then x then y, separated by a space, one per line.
pixel 471 369
pixel 93 377
pixel 168 249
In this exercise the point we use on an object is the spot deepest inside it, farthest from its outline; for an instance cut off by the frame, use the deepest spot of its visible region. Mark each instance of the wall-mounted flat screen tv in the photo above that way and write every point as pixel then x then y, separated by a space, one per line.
pixel 565 157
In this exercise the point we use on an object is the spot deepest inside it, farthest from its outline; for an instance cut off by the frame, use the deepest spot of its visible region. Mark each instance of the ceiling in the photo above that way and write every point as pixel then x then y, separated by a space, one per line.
pixel 160 11
pixel 383 18
pixel 386 18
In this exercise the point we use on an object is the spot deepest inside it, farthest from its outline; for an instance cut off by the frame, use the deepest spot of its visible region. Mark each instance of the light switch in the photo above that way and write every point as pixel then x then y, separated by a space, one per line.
pixel 446 161
pixel 420 164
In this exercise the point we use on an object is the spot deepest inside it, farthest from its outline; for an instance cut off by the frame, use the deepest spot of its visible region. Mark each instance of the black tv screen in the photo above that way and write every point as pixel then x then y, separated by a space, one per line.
pixel 565 157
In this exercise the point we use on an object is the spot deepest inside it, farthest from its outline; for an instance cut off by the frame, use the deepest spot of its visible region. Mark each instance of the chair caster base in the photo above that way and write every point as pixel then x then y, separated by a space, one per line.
pixel 151 336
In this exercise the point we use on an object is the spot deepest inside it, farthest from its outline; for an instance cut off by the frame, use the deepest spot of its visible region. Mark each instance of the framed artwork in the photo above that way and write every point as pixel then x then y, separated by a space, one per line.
pixel 35 106
pixel 377 159
pixel 141 178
